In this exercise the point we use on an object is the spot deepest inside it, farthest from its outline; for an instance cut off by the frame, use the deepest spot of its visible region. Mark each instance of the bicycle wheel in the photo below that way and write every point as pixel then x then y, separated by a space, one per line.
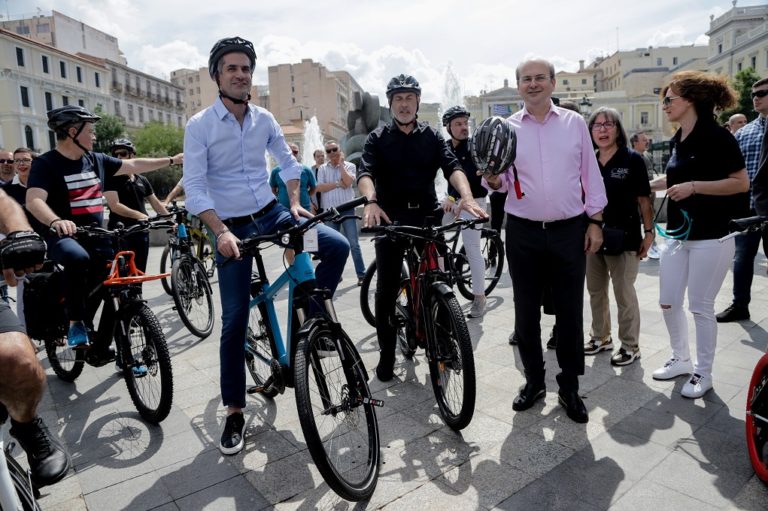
pixel 146 363
pixel 192 296
pixel 22 485
pixel 451 362
pixel 368 291
pixel 258 351
pixel 165 265
pixel 204 252
pixel 492 250
pixel 66 363
pixel 337 418
pixel 757 419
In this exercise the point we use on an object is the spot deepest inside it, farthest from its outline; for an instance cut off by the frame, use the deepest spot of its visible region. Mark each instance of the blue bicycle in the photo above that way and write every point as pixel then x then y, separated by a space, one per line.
pixel 336 411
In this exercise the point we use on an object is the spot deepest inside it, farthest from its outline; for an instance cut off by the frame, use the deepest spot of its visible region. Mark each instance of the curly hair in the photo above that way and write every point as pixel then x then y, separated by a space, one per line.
pixel 706 91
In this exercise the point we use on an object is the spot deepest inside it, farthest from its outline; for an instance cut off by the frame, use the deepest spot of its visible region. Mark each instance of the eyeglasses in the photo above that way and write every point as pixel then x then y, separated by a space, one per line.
pixel 600 125
pixel 332 150
pixel 24 160
pixel 121 154
pixel 760 93
pixel 9 162
pixel 668 99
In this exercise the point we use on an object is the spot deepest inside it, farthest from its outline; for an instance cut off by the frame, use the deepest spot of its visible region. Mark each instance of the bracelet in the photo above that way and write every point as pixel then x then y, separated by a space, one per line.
pixel 693 188
pixel 222 233
pixel 54 221
pixel 170 161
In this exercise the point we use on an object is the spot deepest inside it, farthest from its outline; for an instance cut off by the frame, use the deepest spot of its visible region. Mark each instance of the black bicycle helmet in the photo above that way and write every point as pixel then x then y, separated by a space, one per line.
pixel 494 145
pixel 59 119
pixel 454 112
pixel 402 83
pixel 230 45
pixel 122 143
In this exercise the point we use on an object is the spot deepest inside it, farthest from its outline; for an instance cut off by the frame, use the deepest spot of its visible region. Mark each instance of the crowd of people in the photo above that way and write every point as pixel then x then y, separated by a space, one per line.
pixel 576 202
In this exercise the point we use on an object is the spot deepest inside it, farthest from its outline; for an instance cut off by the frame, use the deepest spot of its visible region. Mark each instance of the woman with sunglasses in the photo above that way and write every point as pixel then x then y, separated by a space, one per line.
pixel 626 185
pixel 706 185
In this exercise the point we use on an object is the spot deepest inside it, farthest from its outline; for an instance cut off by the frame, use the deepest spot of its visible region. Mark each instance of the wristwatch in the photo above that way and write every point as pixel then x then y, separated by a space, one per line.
pixel 598 223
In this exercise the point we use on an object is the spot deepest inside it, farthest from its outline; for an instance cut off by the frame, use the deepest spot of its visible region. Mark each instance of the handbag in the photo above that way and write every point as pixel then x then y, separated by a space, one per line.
pixel 613 241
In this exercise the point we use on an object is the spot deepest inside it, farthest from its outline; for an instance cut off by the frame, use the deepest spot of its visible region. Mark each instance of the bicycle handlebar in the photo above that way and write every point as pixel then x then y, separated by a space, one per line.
pixel 422 232
pixel 740 226
pixel 121 232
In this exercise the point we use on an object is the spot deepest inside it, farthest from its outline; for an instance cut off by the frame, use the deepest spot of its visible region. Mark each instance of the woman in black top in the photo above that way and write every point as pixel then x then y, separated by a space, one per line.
pixel 706 185
pixel 624 244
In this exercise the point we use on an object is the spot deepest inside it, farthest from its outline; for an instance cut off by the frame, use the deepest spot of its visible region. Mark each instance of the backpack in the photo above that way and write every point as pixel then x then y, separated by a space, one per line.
pixel 44 306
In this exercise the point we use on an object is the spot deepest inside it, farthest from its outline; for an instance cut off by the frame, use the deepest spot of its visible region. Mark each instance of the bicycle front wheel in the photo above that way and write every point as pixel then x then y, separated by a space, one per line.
pixel 336 415
pixel 66 363
pixel 192 296
pixel 757 419
pixel 492 250
pixel 166 263
pixel 146 364
pixel 22 485
pixel 451 362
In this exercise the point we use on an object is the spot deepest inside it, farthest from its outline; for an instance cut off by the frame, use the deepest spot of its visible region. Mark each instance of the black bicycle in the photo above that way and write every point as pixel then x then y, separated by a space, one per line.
pixel 428 315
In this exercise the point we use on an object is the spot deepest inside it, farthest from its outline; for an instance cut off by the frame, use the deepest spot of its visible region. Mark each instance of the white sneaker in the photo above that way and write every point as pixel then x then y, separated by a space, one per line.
pixel 697 386
pixel 478 307
pixel 673 368
pixel 653 252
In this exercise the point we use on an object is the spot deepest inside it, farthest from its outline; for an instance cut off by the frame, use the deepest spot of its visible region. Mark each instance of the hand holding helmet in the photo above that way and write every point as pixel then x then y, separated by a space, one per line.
pixel 21 251
pixel 493 146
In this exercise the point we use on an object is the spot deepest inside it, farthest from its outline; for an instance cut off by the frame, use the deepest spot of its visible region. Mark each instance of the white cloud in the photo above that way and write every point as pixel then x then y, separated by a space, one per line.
pixel 161 60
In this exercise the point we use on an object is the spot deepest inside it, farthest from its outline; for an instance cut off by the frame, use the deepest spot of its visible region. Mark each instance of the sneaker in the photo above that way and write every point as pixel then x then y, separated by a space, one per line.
pixel 77 336
pixel 360 281
pixel 733 313
pixel 478 307
pixel 233 438
pixel 697 386
pixel 48 462
pixel 653 252
pixel 552 343
pixel 673 368
pixel 326 348
pixel 514 339
pixel 625 357
pixel 594 346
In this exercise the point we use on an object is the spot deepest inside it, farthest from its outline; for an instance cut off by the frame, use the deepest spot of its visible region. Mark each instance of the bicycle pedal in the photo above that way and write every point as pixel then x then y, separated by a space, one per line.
pixel 257 389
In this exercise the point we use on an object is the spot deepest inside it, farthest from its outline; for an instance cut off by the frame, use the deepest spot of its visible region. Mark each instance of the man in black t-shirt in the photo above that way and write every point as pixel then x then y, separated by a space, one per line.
pixel 64 192
pixel 397 174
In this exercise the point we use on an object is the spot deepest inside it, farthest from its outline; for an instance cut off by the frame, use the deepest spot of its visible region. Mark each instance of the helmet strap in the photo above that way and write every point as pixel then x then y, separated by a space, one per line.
pixel 235 100
pixel 74 137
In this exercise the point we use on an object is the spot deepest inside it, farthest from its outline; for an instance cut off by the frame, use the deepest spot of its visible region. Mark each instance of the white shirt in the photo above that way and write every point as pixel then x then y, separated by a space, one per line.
pixel 327 173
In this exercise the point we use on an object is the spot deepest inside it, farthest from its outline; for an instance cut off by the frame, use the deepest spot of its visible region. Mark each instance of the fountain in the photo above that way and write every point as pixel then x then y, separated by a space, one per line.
pixel 452 96
pixel 313 140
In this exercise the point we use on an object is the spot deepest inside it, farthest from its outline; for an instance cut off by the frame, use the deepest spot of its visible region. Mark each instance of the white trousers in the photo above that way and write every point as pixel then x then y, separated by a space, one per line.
pixel 471 240
pixel 700 266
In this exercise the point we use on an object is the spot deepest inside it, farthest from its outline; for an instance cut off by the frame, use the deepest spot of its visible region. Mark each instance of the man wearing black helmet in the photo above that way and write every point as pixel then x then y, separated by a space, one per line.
pixel 549 230
pixel 227 185
pixel 397 173
pixel 64 191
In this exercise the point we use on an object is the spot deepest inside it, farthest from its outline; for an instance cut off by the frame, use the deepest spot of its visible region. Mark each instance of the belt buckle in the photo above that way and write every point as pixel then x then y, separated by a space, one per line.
pixel 413 205
pixel 544 224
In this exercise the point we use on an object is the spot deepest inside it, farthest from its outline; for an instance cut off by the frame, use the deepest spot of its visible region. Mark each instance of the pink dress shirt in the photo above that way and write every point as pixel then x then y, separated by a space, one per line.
pixel 555 158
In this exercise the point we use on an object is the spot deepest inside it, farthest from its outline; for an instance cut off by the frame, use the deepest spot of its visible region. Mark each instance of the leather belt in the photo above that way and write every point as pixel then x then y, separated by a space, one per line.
pixel 240 220
pixel 547 224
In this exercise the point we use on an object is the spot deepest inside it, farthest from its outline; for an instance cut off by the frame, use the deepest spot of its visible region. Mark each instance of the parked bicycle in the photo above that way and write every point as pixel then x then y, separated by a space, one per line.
pixel 757 393
pixel 428 316
pixel 141 350
pixel 16 489
pixel 491 247
pixel 317 358
pixel 191 256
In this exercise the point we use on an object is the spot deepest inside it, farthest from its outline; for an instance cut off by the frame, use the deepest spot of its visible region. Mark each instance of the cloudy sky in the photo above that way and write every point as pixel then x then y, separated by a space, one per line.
pixel 480 41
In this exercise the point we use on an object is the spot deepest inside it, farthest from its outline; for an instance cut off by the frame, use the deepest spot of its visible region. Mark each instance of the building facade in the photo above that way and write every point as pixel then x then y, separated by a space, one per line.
pixel 738 40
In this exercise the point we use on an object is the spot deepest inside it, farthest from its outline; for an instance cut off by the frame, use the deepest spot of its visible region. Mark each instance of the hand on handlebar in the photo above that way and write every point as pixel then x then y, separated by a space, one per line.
pixel 298 211
pixel 373 215
pixel 473 208
pixel 228 245
pixel 64 227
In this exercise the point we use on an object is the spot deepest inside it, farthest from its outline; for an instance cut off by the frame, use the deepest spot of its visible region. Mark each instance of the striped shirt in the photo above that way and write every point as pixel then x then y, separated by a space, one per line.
pixel 750 137
pixel 328 173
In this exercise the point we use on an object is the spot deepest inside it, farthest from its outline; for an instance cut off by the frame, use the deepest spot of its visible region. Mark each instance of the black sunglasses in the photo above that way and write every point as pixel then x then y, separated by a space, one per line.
pixel 122 154
pixel 760 93
pixel 9 162
pixel 332 150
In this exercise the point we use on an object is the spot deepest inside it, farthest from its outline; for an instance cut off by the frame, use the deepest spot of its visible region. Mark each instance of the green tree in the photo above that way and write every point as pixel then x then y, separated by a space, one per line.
pixel 160 140
pixel 108 129
pixel 742 82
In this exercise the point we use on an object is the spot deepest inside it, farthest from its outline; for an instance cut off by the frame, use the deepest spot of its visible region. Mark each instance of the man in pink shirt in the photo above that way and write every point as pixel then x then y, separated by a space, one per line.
pixel 550 228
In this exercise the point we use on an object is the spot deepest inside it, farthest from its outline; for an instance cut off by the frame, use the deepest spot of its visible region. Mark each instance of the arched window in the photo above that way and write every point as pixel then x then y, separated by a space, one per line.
pixel 29 137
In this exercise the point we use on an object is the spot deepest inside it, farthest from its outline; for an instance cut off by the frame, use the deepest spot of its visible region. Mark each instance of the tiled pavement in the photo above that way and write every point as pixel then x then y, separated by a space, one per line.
pixel 645 447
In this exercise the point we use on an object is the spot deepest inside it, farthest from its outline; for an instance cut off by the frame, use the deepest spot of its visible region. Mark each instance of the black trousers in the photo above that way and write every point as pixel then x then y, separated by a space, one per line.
pixel 548 257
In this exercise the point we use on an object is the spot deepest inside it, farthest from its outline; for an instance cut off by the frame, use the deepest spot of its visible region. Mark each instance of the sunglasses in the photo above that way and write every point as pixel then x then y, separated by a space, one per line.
pixel 332 150
pixel 668 99
pixel 3 162
pixel 121 154
pixel 760 93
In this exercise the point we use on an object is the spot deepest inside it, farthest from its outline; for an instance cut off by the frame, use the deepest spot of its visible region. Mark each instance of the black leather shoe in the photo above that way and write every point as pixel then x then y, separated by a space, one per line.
pixel 574 406
pixel 528 395
pixel 514 339
pixel 48 461
pixel 733 313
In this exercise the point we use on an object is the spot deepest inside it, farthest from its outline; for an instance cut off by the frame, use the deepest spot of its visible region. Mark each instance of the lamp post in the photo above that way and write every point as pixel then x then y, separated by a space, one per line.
pixel 586 106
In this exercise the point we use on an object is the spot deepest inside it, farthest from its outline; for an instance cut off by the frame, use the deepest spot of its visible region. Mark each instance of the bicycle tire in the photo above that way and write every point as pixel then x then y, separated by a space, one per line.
pixel 492 249
pixel 192 295
pixel 368 292
pixel 165 265
pixel 757 428
pixel 340 429
pixel 66 363
pixel 22 485
pixel 451 361
pixel 204 252
pixel 257 341
pixel 151 393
